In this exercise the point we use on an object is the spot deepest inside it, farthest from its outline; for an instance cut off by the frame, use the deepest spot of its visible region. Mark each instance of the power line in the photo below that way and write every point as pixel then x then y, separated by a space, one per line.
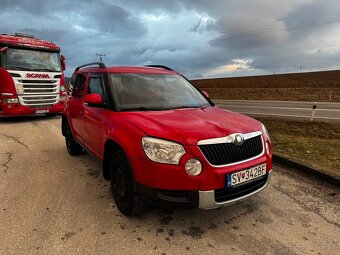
pixel 100 56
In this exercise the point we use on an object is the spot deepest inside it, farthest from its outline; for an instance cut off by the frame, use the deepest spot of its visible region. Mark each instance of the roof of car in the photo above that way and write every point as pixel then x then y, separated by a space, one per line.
pixel 128 69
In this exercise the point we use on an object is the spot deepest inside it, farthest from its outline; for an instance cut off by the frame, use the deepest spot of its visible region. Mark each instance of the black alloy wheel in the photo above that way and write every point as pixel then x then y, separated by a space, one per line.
pixel 72 146
pixel 123 185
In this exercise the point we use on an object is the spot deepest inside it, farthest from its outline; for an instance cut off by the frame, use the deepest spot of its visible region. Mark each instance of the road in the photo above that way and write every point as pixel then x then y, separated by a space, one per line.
pixel 283 109
pixel 53 203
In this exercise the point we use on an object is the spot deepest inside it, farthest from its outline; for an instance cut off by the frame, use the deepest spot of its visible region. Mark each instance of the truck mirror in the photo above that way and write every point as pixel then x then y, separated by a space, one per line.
pixel 205 93
pixel 4 50
pixel 63 64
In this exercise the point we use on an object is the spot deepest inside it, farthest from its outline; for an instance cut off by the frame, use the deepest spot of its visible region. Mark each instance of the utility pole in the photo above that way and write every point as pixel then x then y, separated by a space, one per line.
pixel 100 56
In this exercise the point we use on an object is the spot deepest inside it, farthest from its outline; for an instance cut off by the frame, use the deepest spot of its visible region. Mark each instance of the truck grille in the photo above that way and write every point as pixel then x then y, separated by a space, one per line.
pixel 229 153
pixel 39 86
pixel 38 92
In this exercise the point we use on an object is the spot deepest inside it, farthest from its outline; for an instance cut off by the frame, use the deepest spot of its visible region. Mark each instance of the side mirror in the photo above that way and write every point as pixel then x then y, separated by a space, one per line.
pixel 63 64
pixel 205 93
pixel 93 100
pixel 4 50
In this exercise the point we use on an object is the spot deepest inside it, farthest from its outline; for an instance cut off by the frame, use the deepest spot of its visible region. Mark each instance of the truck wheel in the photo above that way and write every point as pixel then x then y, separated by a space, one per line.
pixel 123 185
pixel 72 146
pixel 51 114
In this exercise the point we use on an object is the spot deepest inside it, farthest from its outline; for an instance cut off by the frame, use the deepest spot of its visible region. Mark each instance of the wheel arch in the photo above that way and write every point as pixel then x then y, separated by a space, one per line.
pixel 64 122
pixel 109 148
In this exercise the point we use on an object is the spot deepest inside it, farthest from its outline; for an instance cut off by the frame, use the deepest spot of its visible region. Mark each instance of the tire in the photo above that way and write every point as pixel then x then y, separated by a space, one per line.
pixel 72 146
pixel 51 114
pixel 123 185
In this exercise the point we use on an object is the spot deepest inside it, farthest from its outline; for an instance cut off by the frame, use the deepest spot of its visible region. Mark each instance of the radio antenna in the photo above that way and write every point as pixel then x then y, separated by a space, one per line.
pixel 51 35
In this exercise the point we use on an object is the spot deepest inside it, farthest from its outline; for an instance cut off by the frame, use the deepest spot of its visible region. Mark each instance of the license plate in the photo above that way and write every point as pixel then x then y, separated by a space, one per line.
pixel 246 175
pixel 41 111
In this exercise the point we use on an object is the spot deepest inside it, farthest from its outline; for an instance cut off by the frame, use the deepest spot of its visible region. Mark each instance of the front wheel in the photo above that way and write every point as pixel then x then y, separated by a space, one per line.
pixel 72 146
pixel 123 185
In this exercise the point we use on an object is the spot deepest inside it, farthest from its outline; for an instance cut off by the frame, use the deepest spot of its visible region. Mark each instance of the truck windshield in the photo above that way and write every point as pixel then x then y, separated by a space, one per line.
pixel 144 92
pixel 32 60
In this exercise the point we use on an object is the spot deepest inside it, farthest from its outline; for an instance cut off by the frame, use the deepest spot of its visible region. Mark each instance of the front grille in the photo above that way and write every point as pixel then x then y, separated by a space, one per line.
pixel 228 153
pixel 39 86
pixel 229 193
pixel 35 100
pixel 38 93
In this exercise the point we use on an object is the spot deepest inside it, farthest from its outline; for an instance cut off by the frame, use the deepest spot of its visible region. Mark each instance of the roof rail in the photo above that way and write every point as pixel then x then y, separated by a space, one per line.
pixel 100 64
pixel 160 66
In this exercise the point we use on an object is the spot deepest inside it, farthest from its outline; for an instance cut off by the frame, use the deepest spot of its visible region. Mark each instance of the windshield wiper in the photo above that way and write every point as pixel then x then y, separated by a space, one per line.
pixel 184 106
pixel 19 68
pixel 44 69
pixel 142 108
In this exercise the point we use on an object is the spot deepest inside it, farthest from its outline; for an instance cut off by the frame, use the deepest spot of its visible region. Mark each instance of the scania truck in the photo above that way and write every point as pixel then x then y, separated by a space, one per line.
pixel 31 76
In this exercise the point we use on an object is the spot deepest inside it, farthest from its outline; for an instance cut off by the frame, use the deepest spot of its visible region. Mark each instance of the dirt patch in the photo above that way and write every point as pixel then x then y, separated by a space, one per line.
pixel 194 231
pixel 314 86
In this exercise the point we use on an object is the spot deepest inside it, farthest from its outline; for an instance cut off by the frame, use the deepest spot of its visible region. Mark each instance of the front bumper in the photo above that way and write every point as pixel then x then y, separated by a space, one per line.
pixel 216 198
pixel 18 109
pixel 209 199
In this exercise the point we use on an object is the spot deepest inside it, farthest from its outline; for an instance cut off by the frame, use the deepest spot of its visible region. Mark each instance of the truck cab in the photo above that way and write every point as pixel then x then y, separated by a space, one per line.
pixel 31 74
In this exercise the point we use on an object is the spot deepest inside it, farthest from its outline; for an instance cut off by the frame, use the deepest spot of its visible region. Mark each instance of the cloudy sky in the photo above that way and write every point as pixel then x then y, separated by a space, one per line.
pixel 200 38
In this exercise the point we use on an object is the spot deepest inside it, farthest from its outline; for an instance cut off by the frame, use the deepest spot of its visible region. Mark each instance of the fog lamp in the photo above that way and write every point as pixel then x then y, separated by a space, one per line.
pixel 193 167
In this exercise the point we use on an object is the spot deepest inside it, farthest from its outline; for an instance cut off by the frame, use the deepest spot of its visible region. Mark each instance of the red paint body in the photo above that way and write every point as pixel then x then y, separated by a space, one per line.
pixel 12 81
pixel 93 127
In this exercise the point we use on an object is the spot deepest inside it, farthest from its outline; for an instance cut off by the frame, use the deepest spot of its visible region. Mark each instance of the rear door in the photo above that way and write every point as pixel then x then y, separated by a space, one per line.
pixel 76 105
pixel 95 124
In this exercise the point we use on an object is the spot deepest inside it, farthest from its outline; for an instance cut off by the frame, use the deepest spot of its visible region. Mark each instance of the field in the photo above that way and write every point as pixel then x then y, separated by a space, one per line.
pixel 313 86
pixel 316 144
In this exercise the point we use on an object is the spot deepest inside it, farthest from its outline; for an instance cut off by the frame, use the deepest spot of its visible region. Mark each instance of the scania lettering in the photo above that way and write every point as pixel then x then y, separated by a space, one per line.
pixel 37 75
pixel 31 76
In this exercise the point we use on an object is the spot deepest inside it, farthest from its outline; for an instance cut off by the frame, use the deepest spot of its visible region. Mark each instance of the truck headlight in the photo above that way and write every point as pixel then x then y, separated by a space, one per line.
pixel 162 151
pixel 12 101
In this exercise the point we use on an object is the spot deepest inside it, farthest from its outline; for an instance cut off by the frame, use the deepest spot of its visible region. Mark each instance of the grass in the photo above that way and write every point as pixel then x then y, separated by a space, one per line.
pixel 316 144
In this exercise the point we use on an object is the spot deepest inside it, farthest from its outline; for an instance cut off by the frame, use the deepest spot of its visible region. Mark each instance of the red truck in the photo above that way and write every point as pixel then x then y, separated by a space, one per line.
pixel 162 141
pixel 31 76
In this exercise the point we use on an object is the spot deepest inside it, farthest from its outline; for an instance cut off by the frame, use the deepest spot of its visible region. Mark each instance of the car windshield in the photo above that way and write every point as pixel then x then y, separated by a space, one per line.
pixel 144 92
pixel 32 60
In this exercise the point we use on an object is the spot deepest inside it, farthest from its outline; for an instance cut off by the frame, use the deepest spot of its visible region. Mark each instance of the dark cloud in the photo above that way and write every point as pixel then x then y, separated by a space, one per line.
pixel 195 37
pixel 113 19
pixel 246 31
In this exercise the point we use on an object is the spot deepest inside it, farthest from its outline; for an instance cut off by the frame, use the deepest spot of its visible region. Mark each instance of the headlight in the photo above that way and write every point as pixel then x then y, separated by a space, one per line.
pixel 268 148
pixel 265 131
pixel 63 98
pixel 162 151
pixel 12 100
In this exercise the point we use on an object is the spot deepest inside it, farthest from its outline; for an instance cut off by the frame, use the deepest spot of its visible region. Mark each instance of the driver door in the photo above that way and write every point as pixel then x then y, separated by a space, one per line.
pixel 95 117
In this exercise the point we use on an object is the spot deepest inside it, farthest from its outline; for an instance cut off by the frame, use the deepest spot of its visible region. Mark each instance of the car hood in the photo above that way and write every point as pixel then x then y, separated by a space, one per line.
pixel 189 126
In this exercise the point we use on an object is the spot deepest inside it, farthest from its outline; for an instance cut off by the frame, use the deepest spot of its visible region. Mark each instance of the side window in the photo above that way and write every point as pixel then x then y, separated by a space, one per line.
pixel 78 85
pixel 96 86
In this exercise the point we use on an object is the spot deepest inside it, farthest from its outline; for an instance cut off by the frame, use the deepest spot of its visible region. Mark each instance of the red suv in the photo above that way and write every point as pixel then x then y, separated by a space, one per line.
pixel 162 141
